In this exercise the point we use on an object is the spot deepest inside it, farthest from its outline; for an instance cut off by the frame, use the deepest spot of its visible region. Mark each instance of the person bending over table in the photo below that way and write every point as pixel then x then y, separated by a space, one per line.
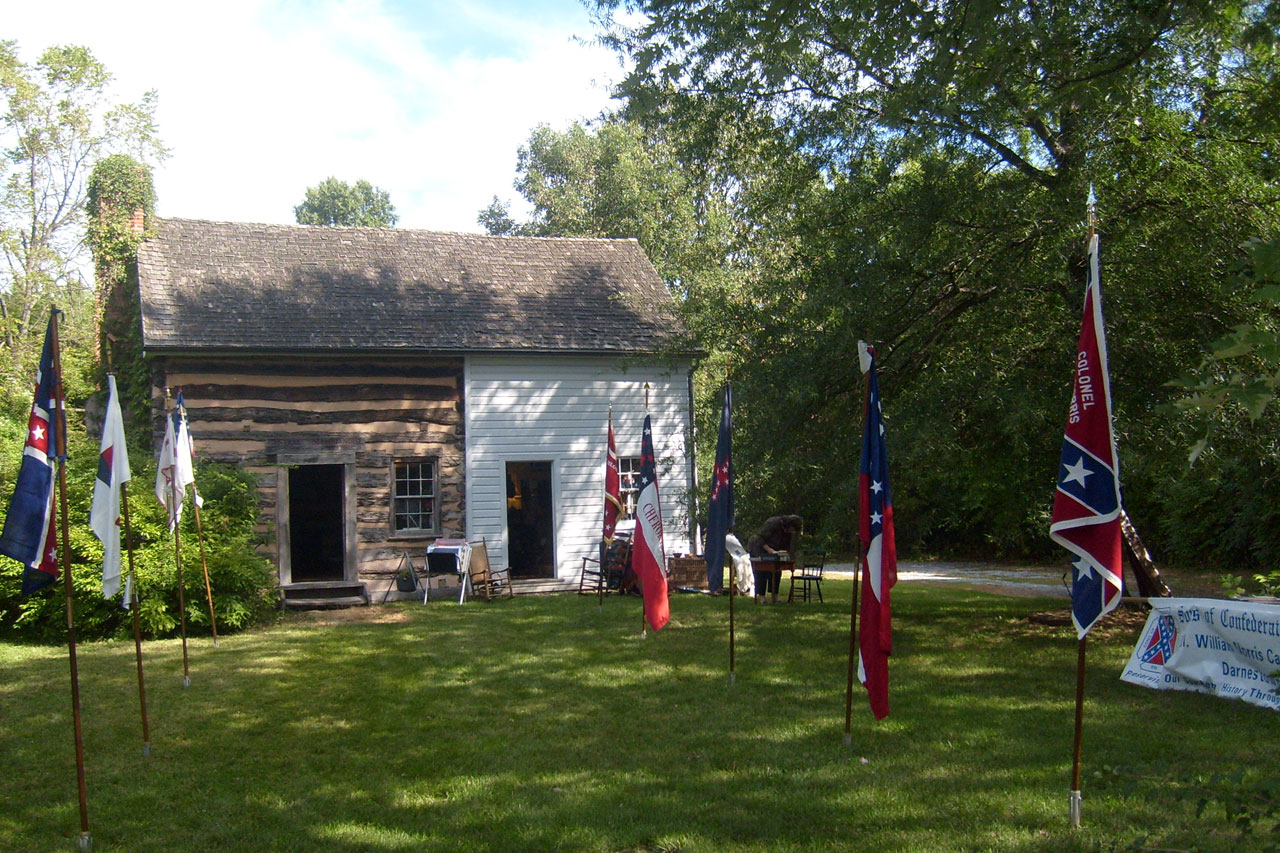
pixel 776 535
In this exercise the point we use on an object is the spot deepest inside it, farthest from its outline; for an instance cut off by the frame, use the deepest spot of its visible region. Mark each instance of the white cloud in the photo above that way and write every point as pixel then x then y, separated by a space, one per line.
pixel 260 99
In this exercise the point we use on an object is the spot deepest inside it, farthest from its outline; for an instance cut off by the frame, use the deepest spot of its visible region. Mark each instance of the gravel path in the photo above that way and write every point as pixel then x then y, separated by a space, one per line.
pixel 1019 579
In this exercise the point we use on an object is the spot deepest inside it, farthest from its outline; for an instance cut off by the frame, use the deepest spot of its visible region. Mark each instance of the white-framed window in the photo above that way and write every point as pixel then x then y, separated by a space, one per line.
pixel 629 483
pixel 414 504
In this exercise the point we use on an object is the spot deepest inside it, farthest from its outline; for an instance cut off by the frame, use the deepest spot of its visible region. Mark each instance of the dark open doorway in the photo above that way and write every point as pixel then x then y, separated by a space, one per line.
pixel 316 523
pixel 530 528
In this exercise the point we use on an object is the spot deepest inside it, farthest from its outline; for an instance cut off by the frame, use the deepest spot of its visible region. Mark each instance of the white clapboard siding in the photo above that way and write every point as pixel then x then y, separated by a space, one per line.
pixel 556 409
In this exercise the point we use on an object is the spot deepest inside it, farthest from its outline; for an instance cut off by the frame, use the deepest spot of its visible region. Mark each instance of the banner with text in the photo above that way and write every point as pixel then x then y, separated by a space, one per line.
pixel 1226 648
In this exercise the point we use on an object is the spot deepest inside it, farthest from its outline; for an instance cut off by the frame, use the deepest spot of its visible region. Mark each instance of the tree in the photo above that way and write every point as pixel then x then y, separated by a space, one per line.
pixel 58 122
pixel 949 149
pixel 335 202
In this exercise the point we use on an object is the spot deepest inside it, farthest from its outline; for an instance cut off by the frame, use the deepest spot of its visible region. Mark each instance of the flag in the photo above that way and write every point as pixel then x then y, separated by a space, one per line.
pixel 880 563
pixel 648 559
pixel 612 487
pixel 113 472
pixel 176 469
pixel 720 506
pixel 30 527
pixel 186 452
pixel 167 490
pixel 1086 506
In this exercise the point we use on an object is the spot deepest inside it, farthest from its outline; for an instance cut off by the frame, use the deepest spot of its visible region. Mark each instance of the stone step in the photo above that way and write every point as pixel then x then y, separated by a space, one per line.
pixel 320 603
pixel 313 594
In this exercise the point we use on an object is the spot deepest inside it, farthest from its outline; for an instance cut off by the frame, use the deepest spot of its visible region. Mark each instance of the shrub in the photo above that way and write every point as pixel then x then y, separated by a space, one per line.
pixel 239 576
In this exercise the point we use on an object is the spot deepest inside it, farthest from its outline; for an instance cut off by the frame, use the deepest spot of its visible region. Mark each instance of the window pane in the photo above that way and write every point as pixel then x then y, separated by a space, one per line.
pixel 413 502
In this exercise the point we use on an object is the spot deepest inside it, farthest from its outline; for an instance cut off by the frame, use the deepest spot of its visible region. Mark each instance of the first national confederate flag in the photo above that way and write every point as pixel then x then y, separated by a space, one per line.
pixel 29 526
pixel 648 559
pixel 875 529
pixel 1086 505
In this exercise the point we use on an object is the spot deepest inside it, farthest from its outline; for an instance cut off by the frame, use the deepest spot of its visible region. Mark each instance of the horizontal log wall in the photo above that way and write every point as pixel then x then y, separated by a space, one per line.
pixel 263 413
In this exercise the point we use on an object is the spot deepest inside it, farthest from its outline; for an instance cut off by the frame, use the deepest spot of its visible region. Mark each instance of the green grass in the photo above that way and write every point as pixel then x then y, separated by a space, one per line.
pixel 546 723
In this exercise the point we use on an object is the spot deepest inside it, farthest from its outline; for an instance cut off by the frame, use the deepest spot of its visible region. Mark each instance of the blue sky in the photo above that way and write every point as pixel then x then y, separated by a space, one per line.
pixel 259 99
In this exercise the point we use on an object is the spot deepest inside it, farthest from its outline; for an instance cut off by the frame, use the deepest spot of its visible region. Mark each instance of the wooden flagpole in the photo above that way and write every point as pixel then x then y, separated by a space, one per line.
pixel 137 626
pixel 644 626
pixel 132 587
pixel 853 607
pixel 204 563
pixel 177 550
pixel 208 588
pixel 605 543
pixel 57 416
pixel 733 593
pixel 1074 802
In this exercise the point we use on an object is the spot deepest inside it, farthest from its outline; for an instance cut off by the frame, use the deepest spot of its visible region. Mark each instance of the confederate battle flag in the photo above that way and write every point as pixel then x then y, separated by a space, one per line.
pixel 1086 505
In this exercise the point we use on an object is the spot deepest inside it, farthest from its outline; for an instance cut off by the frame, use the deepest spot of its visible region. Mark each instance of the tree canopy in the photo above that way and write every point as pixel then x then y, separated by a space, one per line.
pixel 59 120
pixel 916 176
pixel 335 202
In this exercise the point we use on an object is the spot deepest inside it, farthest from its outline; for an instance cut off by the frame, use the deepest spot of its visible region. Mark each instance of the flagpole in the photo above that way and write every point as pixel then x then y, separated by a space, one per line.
pixel 137 626
pixel 733 593
pixel 195 503
pixel 86 840
pixel 131 588
pixel 644 625
pixel 177 551
pixel 1074 806
pixel 208 589
pixel 606 541
pixel 853 607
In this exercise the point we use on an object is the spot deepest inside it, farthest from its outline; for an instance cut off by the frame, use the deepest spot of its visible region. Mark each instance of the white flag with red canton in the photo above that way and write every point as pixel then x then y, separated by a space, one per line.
pixel 113 471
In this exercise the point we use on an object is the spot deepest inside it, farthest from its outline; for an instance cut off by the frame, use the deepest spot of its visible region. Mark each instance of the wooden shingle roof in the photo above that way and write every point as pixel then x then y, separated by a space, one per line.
pixel 225 285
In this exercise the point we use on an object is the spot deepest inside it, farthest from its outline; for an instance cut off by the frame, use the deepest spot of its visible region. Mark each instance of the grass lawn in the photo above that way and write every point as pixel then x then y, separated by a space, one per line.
pixel 546 723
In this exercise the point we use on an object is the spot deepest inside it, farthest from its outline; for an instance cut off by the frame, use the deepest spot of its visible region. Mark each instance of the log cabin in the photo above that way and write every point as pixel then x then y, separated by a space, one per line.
pixel 390 387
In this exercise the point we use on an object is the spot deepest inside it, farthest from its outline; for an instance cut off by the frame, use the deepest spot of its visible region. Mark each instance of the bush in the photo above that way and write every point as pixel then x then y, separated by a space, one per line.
pixel 241 579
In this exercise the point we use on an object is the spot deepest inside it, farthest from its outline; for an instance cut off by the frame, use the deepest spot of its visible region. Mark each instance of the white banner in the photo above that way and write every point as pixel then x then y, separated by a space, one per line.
pixel 1226 648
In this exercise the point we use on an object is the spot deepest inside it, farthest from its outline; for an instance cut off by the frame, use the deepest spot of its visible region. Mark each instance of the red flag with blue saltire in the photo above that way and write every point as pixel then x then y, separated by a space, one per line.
pixel 648 557
pixel 1086 505
pixel 29 528
pixel 880 560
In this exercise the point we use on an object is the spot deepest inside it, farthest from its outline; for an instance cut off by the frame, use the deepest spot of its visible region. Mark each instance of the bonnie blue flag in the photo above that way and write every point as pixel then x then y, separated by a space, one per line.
pixel 720 518
pixel 29 535
pixel 113 472
pixel 1086 504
